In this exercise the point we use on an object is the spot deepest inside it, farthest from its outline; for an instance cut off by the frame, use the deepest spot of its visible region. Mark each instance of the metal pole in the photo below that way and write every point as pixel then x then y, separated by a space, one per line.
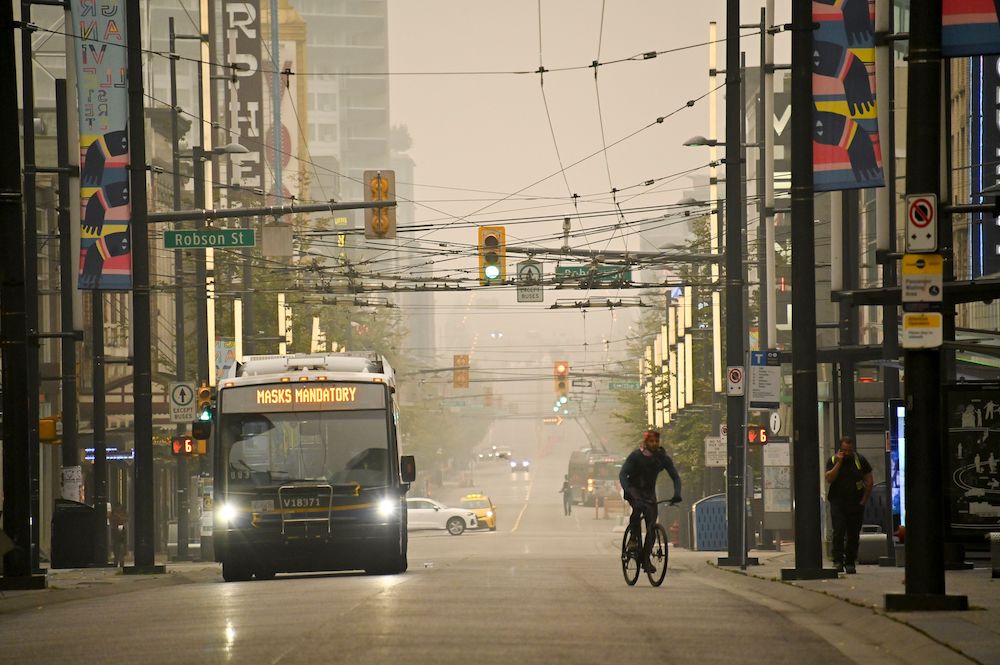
pixel 98 423
pixel 248 302
pixel 179 344
pixel 31 380
pixel 763 296
pixel 142 388
pixel 925 529
pixel 735 405
pixel 805 434
pixel 848 329
pixel 17 569
pixel 67 275
pixel 767 110
pixel 200 271
pixel 885 210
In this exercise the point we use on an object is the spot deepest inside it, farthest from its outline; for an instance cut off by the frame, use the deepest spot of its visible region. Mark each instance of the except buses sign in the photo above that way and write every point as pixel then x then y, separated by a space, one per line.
pixel 204 238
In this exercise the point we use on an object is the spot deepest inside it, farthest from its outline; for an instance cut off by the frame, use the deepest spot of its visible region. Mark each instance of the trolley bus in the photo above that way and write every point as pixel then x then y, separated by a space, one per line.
pixel 307 471
pixel 593 475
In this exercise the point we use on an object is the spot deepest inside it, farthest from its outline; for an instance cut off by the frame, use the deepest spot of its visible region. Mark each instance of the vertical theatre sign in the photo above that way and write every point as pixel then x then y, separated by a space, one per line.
pixel 846 152
pixel 241 30
pixel 105 244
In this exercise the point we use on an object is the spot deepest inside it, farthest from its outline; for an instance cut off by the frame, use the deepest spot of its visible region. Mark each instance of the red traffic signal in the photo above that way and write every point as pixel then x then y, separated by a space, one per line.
pixel 183 445
pixel 757 435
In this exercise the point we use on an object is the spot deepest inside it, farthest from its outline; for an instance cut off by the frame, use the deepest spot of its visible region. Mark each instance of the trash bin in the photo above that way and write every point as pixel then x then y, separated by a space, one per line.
pixel 72 534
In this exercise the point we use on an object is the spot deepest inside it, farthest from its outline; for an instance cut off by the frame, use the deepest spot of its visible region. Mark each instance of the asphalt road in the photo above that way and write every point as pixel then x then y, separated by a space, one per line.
pixel 543 588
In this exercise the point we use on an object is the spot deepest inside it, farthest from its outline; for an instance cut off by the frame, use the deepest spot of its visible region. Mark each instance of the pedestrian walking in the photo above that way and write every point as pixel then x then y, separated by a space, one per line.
pixel 567 493
pixel 849 476
pixel 119 518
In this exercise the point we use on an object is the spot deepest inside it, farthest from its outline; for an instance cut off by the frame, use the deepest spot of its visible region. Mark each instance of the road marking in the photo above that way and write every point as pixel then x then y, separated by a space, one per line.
pixel 527 497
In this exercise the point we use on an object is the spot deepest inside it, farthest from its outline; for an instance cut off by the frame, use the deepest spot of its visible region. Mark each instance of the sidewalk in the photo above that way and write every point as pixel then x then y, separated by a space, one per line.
pixel 68 584
pixel 974 634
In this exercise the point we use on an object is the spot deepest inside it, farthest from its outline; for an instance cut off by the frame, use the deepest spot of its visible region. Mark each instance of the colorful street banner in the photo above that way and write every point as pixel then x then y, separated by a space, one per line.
pixel 970 27
pixel 846 152
pixel 105 211
pixel 984 147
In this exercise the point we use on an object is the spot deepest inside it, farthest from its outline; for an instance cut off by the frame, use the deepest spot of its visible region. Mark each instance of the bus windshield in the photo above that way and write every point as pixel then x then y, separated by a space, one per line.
pixel 336 447
pixel 606 470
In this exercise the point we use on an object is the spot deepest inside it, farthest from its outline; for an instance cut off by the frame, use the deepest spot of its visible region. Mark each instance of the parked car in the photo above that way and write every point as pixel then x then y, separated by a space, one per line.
pixel 483 506
pixel 423 513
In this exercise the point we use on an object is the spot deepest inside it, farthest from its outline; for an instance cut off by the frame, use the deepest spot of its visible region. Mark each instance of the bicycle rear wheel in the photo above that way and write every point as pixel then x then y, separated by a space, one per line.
pixel 658 556
pixel 630 559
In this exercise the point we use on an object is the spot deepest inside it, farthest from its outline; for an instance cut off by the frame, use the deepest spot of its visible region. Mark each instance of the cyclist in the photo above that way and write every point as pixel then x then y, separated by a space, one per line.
pixel 638 480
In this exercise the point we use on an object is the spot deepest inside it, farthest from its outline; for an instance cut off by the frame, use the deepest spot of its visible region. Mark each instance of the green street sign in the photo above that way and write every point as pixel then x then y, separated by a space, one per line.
pixel 205 238
pixel 601 274
pixel 623 385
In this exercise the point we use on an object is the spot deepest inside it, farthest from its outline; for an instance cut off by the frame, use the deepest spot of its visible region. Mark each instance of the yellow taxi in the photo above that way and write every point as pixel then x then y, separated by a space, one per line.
pixel 482 506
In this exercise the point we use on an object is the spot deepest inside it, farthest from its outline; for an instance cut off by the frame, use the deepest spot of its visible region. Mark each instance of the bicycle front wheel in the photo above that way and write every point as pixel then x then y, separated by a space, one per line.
pixel 630 559
pixel 658 556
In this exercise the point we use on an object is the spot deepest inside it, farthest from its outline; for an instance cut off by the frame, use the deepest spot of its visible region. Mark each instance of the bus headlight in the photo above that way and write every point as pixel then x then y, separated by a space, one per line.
pixel 387 507
pixel 227 513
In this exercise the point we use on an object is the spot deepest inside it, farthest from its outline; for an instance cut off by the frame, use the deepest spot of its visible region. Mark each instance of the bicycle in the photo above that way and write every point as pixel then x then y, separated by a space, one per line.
pixel 658 554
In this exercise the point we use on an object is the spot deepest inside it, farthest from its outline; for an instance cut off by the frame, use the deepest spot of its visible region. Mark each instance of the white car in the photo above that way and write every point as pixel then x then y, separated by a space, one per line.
pixel 424 513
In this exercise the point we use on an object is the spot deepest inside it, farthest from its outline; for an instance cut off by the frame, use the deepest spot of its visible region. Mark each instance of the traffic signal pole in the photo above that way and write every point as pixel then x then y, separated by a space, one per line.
pixel 180 361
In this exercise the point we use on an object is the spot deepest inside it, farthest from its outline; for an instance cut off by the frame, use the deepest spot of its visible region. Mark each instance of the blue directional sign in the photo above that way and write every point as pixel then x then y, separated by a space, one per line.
pixel 765 379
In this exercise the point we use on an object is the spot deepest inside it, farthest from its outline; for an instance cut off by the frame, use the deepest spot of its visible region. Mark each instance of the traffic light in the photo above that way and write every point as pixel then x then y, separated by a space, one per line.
pixel 380 222
pixel 183 446
pixel 560 373
pixel 460 371
pixel 201 428
pixel 492 255
pixel 757 435
pixel 204 402
pixel 49 430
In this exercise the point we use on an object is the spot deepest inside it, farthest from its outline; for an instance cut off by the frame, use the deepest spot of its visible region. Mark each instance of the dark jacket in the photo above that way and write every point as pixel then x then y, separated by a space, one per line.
pixel 849 486
pixel 638 474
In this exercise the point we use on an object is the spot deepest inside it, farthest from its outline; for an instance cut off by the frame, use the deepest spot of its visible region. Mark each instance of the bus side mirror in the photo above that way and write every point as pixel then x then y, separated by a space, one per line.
pixel 407 468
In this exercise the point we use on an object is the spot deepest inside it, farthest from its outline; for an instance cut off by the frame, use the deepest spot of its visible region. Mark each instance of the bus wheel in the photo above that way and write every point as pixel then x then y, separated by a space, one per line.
pixel 235 571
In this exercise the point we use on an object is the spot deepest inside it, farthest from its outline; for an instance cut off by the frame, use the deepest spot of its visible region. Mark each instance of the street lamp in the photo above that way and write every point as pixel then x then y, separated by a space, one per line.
pixel 700 140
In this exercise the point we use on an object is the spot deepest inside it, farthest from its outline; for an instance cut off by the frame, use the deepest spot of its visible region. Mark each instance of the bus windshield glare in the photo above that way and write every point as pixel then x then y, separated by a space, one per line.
pixel 275 448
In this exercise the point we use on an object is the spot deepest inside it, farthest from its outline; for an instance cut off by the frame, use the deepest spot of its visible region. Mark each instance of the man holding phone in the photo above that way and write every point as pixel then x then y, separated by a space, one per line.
pixel 849 476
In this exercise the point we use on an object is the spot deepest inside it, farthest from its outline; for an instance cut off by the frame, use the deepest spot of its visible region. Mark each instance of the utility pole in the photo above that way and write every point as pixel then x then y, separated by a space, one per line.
pixel 142 385
pixel 805 434
pixel 925 525
pixel 735 332
pixel 17 570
